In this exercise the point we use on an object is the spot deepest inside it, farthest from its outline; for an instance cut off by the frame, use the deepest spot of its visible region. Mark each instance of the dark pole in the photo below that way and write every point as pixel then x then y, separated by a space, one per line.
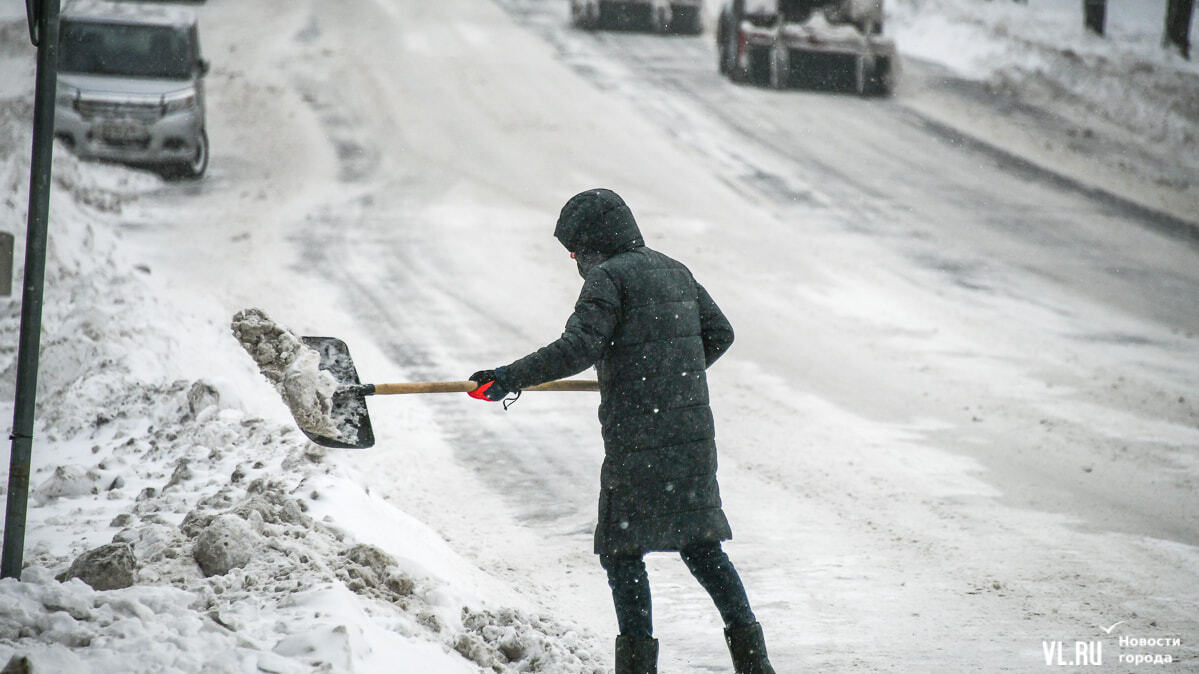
pixel 43 29
pixel 1178 25
pixel 1094 15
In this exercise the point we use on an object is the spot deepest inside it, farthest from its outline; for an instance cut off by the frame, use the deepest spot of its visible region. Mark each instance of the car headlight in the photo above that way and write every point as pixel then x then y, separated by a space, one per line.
pixel 180 100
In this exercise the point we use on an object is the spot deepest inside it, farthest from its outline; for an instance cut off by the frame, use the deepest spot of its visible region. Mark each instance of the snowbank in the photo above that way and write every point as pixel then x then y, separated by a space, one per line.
pixel 206 498
pixel 1040 52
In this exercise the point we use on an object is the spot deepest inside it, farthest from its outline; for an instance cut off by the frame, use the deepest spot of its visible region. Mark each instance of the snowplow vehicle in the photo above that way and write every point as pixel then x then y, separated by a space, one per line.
pixel 819 44
pixel 662 16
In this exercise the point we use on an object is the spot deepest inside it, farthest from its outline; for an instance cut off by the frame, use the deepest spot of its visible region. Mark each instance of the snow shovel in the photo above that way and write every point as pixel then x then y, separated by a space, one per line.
pixel 349 400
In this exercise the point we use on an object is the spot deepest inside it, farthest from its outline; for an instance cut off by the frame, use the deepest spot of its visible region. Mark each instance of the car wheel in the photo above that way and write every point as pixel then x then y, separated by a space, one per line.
pixel 199 163
pixel 780 68
pixel 757 70
pixel 738 75
pixel 882 79
pixel 722 45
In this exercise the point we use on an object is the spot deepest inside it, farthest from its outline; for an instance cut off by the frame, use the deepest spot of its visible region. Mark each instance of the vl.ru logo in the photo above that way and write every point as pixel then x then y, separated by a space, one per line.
pixel 1077 654
pixel 1090 653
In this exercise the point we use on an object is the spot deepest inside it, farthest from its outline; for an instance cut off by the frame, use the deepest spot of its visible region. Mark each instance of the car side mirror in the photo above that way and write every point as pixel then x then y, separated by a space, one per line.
pixel 203 67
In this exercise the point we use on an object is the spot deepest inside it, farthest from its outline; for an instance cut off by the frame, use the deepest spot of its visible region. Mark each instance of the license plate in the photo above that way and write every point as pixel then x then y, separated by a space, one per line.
pixel 123 130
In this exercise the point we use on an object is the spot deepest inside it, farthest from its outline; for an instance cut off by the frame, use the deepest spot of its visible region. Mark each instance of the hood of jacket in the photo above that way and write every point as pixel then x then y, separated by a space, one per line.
pixel 597 221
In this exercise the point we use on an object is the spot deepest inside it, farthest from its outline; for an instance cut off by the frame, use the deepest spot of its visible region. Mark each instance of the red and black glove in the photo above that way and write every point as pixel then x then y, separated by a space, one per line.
pixel 489 388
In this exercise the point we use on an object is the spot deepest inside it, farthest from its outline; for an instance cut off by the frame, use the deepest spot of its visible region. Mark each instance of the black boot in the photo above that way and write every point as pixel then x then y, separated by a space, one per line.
pixel 748 648
pixel 636 656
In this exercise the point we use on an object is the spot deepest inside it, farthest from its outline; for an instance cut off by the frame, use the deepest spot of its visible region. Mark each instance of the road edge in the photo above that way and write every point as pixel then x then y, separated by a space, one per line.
pixel 918 103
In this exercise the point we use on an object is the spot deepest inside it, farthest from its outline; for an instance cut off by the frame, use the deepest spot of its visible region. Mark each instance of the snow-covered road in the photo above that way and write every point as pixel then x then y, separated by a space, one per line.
pixel 960 419
pixel 958 210
pixel 961 386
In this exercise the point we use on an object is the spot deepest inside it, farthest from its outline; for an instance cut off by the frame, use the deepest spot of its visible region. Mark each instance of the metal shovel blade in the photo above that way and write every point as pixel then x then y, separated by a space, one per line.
pixel 349 402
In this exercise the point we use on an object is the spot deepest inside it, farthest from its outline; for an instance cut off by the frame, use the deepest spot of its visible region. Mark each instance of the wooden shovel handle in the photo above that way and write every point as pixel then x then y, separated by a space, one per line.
pixel 467 386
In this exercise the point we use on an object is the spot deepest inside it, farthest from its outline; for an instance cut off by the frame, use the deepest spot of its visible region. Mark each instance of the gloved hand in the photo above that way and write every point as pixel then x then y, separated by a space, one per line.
pixel 489 388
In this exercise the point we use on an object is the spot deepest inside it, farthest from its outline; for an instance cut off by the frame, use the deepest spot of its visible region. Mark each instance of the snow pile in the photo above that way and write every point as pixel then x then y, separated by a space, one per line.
pixel 1041 52
pixel 169 526
pixel 492 639
pixel 69 627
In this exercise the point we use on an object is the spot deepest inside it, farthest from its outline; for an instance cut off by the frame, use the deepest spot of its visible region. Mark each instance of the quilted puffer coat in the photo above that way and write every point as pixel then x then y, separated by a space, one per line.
pixel 651 330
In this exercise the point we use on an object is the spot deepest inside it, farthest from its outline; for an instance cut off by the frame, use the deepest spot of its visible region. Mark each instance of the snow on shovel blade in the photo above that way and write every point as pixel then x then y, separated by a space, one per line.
pixel 349 401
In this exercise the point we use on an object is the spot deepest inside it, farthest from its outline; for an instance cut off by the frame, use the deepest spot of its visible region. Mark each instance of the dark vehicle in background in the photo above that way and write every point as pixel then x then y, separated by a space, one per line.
pixel 684 17
pixel 819 44
pixel 131 86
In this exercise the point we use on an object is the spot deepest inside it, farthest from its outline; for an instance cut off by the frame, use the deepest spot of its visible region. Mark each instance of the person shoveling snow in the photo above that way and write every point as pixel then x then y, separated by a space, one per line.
pixel 651 331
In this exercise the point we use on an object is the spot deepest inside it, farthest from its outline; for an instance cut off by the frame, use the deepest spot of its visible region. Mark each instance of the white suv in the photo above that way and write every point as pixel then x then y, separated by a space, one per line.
pixel 131 86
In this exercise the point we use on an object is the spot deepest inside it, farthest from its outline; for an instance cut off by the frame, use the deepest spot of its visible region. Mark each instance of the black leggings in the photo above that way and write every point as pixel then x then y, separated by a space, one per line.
pixel 706 561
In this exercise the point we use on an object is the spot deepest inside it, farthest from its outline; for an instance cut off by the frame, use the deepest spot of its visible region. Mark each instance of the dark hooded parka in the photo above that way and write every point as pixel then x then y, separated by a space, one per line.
pixel 651 330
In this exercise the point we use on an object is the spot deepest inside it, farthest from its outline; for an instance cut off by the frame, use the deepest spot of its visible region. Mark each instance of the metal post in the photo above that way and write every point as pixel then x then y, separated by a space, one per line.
pixel 44 33
pixel 1178 26
pixel 1094 15
pixel 6 253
